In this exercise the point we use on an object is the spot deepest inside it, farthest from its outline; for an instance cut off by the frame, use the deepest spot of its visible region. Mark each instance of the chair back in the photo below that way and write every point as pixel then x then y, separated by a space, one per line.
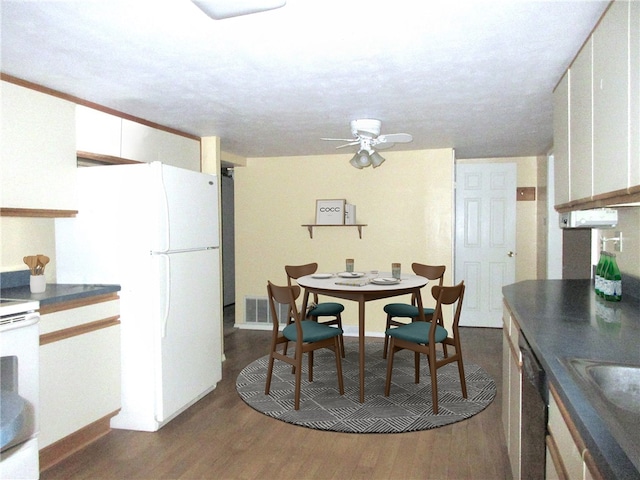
pixel 286 295
pixel 296 271
pixel 432 272
pixel 448 296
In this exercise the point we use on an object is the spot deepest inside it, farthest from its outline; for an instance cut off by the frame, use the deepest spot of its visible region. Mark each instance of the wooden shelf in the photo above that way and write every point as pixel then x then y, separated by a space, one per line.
pixel 359 226
pixel 37 212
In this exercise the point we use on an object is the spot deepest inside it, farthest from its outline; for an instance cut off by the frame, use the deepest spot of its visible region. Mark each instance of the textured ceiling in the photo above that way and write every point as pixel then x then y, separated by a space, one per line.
pixel 473 75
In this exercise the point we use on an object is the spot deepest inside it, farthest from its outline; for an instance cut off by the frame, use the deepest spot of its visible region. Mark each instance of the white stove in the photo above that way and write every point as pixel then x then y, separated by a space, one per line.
pixel 19 388
pixel 13 306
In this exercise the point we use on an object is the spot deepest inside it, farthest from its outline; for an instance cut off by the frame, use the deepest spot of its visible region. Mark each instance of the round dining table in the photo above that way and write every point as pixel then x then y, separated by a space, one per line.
pixel 362 289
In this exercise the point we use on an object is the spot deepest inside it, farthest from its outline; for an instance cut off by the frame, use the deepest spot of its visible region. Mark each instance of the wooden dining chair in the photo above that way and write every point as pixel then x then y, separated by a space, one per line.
pixel 404 310
pixel 308 336
pixel 331 312
pixel 422 337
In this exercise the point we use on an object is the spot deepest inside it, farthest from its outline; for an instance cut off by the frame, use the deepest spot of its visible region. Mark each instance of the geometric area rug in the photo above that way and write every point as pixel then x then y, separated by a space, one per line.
pixel 408 408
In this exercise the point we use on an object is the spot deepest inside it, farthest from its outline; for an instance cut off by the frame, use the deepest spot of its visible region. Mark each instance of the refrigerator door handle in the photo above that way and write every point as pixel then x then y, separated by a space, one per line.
pixel 164 213
pixel 167 293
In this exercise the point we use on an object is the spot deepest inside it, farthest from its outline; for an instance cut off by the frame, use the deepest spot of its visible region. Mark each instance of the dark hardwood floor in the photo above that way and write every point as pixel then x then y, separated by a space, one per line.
pixel 220 437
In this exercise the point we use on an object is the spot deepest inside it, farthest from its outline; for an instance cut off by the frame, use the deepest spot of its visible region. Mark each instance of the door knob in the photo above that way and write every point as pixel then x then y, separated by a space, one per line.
pixel 510 254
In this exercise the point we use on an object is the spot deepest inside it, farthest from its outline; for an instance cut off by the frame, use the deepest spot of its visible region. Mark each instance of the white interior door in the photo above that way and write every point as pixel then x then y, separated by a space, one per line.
pixel 485 238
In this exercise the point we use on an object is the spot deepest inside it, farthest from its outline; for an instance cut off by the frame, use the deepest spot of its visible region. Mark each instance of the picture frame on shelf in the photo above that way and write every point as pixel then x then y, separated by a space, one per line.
pixel 330 212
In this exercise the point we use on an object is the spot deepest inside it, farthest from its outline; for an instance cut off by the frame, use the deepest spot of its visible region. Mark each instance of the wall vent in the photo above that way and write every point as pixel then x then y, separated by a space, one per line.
pixel 256 310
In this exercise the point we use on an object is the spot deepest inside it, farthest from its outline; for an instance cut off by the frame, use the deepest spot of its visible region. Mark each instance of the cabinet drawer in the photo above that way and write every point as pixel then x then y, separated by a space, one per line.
pixel 73 314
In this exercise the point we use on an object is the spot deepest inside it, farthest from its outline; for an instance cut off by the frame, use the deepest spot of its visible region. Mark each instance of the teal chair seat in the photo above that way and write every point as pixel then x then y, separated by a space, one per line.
pixel 311 331
pixel 417 332
pixel 326 309
pixel 405 310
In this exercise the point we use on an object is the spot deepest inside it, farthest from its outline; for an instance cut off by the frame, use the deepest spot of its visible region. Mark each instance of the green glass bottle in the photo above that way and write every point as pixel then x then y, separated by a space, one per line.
pixel 598 279
pixel 604 284
pixel 615 281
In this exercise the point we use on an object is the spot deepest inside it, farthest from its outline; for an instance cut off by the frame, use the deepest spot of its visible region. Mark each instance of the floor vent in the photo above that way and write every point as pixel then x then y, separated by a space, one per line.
pixel 256 310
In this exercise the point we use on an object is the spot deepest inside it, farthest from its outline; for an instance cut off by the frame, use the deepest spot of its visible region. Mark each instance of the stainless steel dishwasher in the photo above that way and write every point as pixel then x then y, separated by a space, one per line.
pixel 534 414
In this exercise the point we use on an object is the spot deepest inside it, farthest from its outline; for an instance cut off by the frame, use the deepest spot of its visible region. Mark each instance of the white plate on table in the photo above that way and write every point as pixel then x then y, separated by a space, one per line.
pixel 351 274
pixel 322 275
pixel 385 281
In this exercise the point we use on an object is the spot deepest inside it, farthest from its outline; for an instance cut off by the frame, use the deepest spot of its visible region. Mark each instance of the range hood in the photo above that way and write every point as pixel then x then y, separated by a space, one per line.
pixel 596 218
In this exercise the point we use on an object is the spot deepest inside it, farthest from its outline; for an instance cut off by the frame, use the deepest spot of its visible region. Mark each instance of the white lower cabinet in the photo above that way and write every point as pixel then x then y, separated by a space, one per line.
pixel 511 391
pixel 567 455
pixel 79 374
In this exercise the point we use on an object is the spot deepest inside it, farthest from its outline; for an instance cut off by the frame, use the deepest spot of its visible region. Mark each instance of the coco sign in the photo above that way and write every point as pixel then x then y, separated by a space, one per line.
pixel 330 212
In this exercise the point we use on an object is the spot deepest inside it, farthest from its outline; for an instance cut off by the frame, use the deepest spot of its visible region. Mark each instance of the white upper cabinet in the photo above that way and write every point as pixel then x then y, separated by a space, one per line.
pixel 97 132
pixel 38 168
pixel 611 100
pixel 561 140
pixel 147 144
pixel 105 134
pixel 634 102
pixel 581 131
pixel 598 156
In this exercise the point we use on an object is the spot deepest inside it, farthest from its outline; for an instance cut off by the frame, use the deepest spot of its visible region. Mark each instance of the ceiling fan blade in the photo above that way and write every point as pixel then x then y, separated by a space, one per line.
pixel 383 145
pixel 350 144
pixel 339 139
pixel 395 138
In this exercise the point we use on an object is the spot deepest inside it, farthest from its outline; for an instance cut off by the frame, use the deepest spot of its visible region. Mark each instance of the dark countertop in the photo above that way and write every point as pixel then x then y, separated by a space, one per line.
pixel 565 319
pixel 15 285
pixel 57 292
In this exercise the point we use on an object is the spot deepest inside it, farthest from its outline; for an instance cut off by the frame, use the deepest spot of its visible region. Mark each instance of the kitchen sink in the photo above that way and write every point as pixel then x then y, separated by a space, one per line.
pixel 613 389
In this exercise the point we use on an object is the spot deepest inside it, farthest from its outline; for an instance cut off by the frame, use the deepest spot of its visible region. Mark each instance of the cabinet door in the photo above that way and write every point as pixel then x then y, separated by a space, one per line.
pixel 79 382
pixel 38 167
pixel 611 100
pixel 178 151
pixel 97 132
pixel 146 144
pixel 515 403
pixel 634 97
pixel 581 135
pixel 570 454
pixel 561 140
pixel 138 142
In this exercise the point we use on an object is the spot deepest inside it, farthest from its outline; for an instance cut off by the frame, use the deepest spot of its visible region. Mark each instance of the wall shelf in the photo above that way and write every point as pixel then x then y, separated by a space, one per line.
pixel 359 226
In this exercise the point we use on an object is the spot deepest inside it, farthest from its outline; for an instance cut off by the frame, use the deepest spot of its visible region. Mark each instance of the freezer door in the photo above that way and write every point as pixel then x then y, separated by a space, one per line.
pixel 189 352
pixel 188 209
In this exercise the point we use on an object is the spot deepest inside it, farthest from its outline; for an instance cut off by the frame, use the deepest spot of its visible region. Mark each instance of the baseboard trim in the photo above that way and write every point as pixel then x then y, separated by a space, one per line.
pixel 63 448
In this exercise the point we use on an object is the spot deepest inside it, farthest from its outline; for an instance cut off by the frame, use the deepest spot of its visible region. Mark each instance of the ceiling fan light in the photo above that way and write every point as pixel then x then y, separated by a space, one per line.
pixel 354 162
pixel 363 159
pixel 376 159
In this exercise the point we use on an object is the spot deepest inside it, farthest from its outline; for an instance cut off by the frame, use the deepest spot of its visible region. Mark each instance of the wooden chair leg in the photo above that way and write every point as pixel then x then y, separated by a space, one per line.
pixel 387 385
pixel 463 382
pixel 433 371
pixel 267 387
pixel 386 337
pixel 311 366
pixel 341 338
pixel 339 366
pixel 416 361
pixel 298 383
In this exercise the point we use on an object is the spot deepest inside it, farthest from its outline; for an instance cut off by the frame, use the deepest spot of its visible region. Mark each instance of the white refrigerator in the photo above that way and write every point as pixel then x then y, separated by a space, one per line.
pixel 152 229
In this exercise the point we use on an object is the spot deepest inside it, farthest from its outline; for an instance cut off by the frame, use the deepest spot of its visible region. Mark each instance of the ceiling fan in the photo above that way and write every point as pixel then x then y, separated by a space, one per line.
pixel 366 133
